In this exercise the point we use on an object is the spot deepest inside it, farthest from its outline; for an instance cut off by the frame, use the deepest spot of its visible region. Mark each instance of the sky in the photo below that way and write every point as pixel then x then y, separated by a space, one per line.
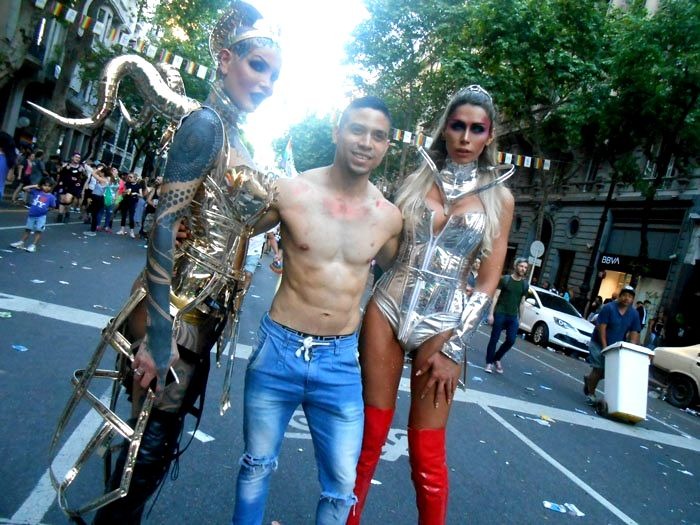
pixel 313 79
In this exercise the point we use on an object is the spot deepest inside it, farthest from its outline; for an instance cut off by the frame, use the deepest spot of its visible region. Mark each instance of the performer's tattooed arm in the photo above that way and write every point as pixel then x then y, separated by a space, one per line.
pixel 194 150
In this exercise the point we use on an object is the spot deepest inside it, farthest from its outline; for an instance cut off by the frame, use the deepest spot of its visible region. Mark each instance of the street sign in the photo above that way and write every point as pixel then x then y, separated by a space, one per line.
pixel 534 261
pixel 537 248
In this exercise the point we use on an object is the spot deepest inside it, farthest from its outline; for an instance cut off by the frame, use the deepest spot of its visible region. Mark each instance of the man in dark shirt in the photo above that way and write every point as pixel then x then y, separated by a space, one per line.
pixel 615 320
pixel 504 315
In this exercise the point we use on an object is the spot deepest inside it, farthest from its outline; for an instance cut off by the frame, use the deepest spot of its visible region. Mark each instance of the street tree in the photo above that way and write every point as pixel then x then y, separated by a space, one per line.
pixel 312 142
pixel 538 59
pixel 392 47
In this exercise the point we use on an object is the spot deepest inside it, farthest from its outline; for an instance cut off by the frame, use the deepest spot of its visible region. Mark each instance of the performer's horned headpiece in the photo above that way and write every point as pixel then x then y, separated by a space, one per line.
pixel 162 93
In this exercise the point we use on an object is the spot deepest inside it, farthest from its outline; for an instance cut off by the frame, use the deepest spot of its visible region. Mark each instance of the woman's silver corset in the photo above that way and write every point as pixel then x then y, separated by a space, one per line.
pixel 430 272
pixel 232 197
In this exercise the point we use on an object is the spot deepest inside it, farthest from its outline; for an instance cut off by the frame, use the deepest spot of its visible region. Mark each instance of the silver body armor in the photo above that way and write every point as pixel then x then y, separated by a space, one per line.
pixel 424 292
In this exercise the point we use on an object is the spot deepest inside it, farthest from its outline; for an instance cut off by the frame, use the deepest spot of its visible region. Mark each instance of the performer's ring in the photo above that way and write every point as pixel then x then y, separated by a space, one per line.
pixel 138 372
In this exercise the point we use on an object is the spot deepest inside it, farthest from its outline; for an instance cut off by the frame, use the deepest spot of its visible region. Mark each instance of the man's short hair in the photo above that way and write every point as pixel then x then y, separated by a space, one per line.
pixel 369 101
pixel 519 260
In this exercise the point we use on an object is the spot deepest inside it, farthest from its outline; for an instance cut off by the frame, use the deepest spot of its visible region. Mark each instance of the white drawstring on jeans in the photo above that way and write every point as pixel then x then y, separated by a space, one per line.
pixel 306 345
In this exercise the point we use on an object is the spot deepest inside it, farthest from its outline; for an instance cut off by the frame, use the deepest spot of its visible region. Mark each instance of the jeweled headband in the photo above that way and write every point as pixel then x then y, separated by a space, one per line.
pixel 227 32
pixel 476 88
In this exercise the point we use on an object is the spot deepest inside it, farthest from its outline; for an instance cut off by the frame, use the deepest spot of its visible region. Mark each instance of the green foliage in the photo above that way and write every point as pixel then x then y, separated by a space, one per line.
pixel 312 142
pixel 183 27
pixel 569 78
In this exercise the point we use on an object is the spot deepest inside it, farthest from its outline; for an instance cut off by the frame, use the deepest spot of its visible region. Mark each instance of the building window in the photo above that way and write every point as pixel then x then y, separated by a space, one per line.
pixel 574 226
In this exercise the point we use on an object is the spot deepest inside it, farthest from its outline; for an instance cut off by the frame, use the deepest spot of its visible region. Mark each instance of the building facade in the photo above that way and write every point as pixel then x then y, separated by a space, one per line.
pixel 592 234
pixel 32 38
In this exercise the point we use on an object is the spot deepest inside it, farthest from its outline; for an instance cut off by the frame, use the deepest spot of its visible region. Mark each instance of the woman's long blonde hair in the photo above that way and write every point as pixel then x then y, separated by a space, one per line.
pixel 413 191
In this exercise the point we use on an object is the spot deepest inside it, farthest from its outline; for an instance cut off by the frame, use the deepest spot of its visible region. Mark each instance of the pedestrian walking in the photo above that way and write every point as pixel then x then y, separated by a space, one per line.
pixel 505 314
pixel 617 321
pixel 41 200
pixel 69 186
pixel 130 198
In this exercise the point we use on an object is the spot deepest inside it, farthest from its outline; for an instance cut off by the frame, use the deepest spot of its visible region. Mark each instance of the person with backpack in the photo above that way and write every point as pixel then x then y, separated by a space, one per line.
pixel 505 313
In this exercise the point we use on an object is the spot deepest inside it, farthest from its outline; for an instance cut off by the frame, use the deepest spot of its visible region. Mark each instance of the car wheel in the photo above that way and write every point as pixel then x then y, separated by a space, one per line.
pixel 540 334
pixel 681 391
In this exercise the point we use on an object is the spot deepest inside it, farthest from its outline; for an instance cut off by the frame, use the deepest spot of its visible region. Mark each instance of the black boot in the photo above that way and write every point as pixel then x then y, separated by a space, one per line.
pixel 66 217
pixel 158 445
pixel 59 217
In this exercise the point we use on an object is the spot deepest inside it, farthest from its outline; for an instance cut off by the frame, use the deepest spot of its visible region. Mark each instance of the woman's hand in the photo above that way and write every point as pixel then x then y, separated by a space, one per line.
pixel 144 367
pixel 443 372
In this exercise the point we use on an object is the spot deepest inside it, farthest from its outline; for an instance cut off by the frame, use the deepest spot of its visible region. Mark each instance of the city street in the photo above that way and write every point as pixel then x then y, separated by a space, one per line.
pixel 514 440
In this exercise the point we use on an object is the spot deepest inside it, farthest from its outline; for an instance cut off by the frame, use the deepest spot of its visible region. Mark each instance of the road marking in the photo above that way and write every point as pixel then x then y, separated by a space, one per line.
pixel 201 436
pixel 561 468
pixel 43 495
pixel 48 225
pixel 54 311
pixel 567 416
pixel 580 382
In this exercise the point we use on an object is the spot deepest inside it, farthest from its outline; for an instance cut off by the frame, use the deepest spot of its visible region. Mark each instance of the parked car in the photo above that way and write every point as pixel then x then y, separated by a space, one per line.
pixel 552 320
pixel 679 368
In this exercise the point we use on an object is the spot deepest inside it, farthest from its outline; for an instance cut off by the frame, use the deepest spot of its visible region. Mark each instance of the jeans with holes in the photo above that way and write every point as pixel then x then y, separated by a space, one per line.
pixel 323 376
pixel 501 322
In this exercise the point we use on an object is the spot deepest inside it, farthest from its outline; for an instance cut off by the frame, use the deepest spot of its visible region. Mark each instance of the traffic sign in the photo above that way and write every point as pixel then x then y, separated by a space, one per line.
pixel 537 248
pixel 534 261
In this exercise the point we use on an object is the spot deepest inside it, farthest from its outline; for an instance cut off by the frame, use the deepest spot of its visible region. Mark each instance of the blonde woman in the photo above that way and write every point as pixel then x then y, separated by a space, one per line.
pixel 453 209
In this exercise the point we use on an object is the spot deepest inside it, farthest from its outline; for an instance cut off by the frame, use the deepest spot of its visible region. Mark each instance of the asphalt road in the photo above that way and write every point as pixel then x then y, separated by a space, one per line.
pixel 514 440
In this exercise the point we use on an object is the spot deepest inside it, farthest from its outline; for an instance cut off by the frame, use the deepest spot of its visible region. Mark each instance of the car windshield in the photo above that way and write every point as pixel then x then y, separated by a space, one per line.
pixel 554 302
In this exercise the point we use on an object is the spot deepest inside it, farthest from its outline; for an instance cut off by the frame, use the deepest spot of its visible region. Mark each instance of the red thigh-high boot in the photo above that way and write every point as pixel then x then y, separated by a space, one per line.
pixel 426 452
pixel 377 423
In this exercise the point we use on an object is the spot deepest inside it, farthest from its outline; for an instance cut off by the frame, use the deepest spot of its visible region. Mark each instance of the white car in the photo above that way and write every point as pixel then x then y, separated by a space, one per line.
pixel 552 320
pixel 679 368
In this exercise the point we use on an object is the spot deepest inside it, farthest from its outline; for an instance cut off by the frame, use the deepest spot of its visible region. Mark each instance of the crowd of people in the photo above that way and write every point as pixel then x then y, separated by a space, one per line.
pixel 90 191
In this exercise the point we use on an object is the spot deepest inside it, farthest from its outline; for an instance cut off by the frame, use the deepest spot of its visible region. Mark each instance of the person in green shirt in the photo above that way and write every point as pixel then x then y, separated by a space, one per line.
pixel 504 314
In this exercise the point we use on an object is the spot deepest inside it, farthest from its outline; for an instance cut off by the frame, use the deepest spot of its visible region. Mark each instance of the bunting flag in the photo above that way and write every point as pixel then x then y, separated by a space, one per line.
pixel 190 67
pixel 56 9
pixel 85 22
pixel 71 15
pixel 65 12
pixel 288 161
pixel 419 139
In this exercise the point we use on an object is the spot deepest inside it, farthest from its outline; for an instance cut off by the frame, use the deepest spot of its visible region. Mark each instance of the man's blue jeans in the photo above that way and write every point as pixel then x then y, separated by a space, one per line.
pixel 323 376
pixel 501 322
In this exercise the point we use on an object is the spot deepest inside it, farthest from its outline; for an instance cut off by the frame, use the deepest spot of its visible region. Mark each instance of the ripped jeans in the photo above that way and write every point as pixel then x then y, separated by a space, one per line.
pixel 322 374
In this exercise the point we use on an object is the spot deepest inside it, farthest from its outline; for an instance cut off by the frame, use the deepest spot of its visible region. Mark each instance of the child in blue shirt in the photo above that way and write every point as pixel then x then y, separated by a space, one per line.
pixel 40 201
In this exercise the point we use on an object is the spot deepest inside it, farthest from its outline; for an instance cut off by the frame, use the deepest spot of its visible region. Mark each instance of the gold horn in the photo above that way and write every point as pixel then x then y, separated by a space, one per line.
pixel 150 83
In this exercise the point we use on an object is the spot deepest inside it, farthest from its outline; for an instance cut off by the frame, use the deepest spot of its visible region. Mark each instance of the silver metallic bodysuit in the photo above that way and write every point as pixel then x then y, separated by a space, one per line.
pixel 424 292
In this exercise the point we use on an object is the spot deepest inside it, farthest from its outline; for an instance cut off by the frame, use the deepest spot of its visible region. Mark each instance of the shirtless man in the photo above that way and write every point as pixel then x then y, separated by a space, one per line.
pixel 333 223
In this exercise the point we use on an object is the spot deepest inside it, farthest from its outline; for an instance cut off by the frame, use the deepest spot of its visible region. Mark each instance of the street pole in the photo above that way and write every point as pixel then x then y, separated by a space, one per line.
pixel 595 252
